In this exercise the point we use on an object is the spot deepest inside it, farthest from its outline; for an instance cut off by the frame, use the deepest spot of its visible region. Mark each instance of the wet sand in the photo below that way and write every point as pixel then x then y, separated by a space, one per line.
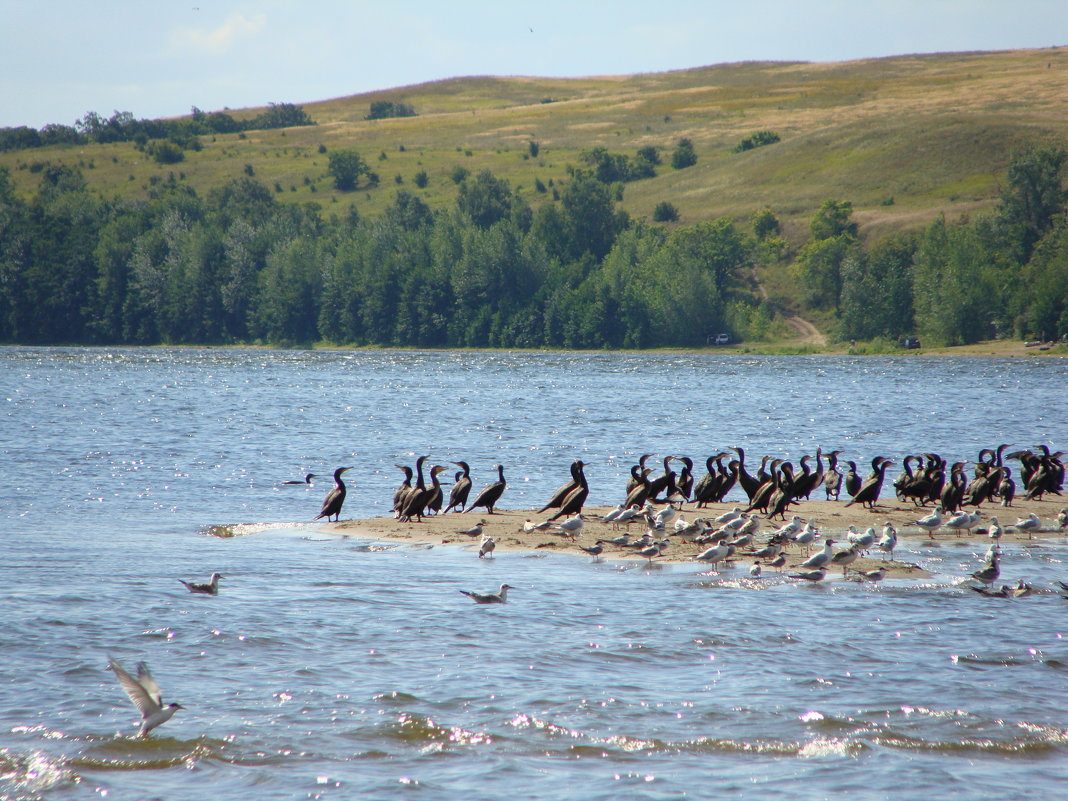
pixel 832 517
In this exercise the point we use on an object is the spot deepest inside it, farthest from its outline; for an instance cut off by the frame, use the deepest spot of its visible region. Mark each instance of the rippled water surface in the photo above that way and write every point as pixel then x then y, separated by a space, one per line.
pixel 333 667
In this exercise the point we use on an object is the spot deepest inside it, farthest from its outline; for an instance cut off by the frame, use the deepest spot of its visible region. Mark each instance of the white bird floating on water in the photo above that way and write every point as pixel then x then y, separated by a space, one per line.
pixel 211 588
pixel 499 597
pixel 144 692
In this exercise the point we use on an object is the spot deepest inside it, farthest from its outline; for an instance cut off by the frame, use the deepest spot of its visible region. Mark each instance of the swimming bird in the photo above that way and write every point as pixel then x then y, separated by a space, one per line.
pixel 335 499
pixel 490 495
pixel 499 597
pixel 145 695
pixel 307 479
pixel 211 588
pixel 1021 589
pixel 1030 524
pixel 487 546
pixel 754 570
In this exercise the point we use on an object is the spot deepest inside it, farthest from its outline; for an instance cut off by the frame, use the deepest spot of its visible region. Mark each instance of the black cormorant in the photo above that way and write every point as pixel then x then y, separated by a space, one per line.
pixel 335 499
pixel 489 496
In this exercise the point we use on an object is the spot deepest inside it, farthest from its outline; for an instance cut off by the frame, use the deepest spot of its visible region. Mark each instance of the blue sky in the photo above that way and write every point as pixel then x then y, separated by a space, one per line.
pixel 158 58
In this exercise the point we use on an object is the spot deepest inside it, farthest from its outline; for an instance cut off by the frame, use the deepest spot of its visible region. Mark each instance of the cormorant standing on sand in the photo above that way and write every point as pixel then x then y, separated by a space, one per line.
pixel 461 489
pixel 335 499
pixel 491 494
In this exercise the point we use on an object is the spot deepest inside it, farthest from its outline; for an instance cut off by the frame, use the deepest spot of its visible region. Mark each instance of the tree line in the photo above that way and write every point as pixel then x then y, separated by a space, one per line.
pixel 236 266
pixel 122 126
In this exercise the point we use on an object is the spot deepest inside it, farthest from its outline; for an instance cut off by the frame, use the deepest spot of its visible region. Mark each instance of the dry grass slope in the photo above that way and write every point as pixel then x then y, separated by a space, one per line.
pixel 903 138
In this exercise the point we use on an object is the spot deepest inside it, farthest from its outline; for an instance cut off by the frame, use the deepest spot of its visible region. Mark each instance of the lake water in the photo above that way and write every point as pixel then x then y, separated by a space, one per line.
pixel 333 667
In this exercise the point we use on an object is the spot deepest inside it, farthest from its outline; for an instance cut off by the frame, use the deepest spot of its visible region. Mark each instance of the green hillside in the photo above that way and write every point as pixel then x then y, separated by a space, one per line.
pixel 904 139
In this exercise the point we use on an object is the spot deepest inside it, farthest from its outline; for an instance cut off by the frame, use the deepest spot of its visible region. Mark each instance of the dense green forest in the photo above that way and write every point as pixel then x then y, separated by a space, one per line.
pixel 237 266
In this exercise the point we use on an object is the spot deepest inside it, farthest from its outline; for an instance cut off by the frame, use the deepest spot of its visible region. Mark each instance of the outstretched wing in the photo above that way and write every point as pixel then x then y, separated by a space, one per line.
pixel 144 678
pixel 145 699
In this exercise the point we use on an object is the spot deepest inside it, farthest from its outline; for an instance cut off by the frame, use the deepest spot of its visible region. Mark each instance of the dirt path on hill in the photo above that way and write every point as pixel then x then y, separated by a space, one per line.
pixel 807 333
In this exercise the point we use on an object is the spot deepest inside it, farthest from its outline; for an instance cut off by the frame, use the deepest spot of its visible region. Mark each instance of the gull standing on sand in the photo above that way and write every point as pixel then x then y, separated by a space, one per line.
pixel 846 557
pixel 715 554
pixel 994 530
pixel 727 517
pixel 930 523
pixel 613 516
pixel 806 536
pixel 623 540
pixel 862 541
pixel 211 588
pixel 594 550
pixel 145 694
pixel 474 531
pixel 876 575
pixel 530 526
pixel 791 529
pixel 888 542
pixel 571 527
pixel 820 558
pixel 499 597
pixel 1030 524
pixel 487 546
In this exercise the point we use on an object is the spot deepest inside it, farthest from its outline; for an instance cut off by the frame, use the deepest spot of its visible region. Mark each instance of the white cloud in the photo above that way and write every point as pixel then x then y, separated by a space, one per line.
pixel 220 39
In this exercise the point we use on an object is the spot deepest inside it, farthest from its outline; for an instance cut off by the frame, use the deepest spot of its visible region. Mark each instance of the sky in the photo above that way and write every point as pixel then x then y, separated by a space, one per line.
pixel 159 58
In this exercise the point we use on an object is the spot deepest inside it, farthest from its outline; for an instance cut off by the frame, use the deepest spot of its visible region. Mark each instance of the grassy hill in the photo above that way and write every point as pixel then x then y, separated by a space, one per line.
pixel 903 138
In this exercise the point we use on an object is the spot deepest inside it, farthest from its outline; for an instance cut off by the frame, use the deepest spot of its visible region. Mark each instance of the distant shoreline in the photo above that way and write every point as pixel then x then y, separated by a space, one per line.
pixel 1011 349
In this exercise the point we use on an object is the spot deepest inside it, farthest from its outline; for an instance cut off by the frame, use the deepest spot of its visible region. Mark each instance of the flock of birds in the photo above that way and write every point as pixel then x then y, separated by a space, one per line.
pixel 771 491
